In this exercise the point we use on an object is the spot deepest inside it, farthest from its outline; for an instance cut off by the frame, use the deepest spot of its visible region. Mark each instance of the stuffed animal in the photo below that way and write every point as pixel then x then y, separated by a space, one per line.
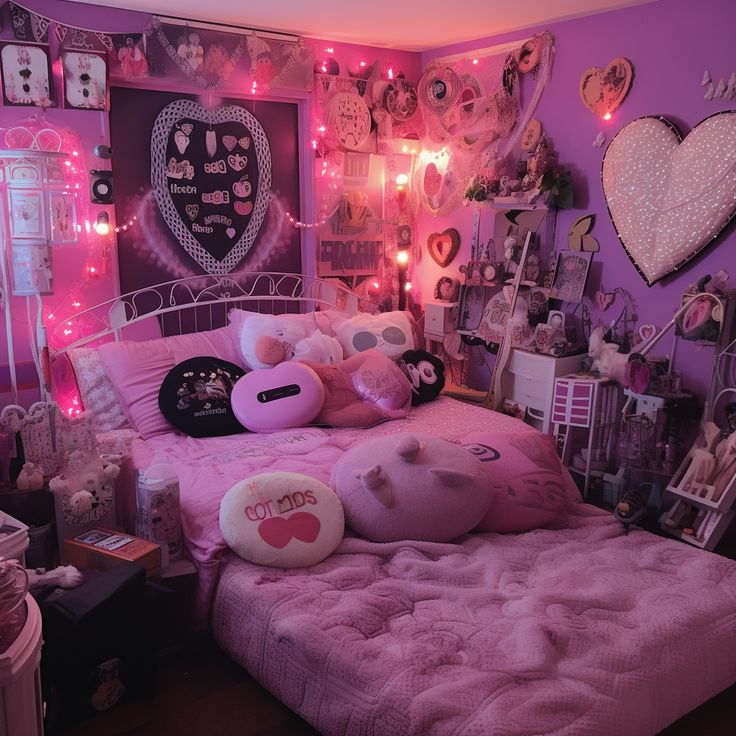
pixel 30 478
pixel 606 358
pixel 411 486
pixel 82 479
pixel 426 373
pixel 268 340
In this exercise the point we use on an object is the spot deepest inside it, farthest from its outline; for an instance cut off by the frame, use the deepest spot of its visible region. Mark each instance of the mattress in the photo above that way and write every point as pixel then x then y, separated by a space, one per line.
pixel 576 631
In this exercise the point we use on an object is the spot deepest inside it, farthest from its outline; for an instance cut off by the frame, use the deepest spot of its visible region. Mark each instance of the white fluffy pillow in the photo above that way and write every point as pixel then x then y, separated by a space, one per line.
pixel 282 520
pixel 391 333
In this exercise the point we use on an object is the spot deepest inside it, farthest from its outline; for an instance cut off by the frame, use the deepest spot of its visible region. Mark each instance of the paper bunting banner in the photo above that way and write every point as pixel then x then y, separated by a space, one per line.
pixel 207 58
pixel 27 25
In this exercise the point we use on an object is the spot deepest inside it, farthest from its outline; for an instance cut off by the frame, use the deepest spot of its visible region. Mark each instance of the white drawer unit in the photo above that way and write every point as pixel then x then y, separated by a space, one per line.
pixel 529 380
pixel 439 319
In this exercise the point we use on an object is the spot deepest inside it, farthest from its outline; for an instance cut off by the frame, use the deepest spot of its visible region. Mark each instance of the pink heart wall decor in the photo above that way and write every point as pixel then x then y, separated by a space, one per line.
pixel 603 90
pixel 669 197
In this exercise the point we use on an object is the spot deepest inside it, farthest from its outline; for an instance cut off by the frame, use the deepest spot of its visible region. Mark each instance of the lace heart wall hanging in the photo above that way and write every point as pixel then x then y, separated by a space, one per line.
pixel 213 198
pixel 669 197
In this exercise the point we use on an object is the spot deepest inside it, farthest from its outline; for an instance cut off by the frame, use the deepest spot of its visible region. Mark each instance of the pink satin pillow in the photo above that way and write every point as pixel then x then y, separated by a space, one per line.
pixel 530 487
pixel 364 390
pixel 137 370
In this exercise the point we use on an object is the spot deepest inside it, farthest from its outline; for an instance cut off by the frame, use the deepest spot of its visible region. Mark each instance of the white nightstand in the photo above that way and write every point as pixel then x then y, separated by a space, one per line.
pixel 529 380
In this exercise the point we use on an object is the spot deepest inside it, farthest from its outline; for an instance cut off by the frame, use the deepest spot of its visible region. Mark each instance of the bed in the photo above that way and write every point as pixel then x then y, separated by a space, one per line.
pixel 571 629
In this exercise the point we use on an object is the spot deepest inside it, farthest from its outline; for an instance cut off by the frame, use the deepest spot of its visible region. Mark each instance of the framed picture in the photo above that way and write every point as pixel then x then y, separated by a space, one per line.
pixel 26 74
pixel 571 273
pixel 31 269
pixel 27 215
pixel 85 80
pixel 63 217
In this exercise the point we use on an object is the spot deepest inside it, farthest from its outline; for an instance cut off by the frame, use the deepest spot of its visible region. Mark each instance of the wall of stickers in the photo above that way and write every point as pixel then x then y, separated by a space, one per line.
pixel 658 59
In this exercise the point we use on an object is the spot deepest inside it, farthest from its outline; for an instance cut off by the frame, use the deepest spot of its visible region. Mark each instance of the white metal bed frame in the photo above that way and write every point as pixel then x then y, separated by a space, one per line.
pixel 192 304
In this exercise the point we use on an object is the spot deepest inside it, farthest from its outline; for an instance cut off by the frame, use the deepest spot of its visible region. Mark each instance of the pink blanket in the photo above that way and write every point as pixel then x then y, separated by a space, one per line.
pixel 577 632
pixel 208 468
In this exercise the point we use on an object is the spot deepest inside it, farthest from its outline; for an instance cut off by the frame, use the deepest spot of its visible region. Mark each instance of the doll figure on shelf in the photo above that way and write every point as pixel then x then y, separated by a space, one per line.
pixel 511 255
pixel 447 289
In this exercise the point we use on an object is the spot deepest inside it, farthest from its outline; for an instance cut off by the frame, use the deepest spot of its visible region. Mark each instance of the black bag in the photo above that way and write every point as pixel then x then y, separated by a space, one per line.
pixel 98 648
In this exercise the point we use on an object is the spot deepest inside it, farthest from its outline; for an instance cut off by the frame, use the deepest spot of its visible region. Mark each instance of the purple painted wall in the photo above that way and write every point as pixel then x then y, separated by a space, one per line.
pixel 670 43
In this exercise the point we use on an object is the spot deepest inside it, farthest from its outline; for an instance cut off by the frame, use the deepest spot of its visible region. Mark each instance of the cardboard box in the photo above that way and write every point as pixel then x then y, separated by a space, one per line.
pixel 101 549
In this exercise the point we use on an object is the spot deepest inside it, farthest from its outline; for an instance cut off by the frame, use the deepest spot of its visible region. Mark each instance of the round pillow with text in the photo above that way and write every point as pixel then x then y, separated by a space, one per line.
pixel 282 520
pixel 195 397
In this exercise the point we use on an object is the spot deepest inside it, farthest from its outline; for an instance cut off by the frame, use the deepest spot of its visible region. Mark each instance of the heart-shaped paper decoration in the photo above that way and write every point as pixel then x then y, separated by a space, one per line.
pixel 443 247
pixel 669 198
pixel 603 90
pixel 229 141
pixel 225 226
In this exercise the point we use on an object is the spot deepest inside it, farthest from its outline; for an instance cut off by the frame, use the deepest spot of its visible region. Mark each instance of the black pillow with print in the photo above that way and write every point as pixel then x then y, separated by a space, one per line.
pixel 195 397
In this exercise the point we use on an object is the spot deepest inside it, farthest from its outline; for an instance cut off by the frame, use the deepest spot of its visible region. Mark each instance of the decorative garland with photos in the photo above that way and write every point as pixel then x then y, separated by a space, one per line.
pixel 195 59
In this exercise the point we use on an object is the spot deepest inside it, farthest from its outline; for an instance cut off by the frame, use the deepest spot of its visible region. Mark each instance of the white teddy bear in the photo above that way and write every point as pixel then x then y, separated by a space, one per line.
pixel 82 479
pixel 30 478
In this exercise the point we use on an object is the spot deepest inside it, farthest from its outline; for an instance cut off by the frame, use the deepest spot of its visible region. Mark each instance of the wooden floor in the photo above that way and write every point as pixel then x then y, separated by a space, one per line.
pixel 202 692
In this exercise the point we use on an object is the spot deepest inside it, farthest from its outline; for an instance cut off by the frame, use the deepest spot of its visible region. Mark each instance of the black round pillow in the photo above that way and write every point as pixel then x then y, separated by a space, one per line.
pixel 195 397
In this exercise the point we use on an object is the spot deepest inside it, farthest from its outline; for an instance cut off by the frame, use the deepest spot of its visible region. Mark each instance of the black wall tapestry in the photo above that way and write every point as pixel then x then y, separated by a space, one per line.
pixel 243 162
pixel 211 173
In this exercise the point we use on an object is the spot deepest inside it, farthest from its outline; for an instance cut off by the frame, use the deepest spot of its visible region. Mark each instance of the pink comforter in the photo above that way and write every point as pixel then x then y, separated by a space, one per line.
pixel 208 468
pixel 579 631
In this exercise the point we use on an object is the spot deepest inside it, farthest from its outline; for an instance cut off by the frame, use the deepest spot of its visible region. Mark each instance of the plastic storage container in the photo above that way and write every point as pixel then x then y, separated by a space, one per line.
pixel 13 538
pixel 158 518
pixel 21 710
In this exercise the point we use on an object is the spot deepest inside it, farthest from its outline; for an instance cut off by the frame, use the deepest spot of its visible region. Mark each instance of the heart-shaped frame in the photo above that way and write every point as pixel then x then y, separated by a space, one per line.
pixel 443 247
pixel 660 187
pixel 165 122
pixel 603 90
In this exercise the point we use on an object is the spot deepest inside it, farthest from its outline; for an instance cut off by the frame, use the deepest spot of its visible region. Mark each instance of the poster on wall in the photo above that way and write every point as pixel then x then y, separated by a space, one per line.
pixel 31 269
pixel 211 174
pixel 26 74
pixel 151 252
pixel 27 217
pixel 85 80
pixel 63 217
pixel 351 243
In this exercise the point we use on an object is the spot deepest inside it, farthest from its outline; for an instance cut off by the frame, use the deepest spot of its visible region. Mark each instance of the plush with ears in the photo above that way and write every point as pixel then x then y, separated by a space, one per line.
pixel 30 478
pixel 411 486
pixel 82 479
pixel 282 519
pixel 606 358
pixel 267 340
pixel 426 373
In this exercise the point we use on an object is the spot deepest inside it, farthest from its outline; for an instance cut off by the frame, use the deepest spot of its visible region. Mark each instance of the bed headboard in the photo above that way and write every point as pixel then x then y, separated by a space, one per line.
pixel 199 303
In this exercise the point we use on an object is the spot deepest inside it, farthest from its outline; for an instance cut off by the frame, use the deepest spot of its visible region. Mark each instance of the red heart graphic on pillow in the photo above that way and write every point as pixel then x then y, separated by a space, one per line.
pixel 279 531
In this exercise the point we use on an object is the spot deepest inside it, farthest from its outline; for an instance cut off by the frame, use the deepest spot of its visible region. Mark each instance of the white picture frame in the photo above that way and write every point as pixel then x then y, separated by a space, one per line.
pixel 31 269
pixel 85 80
pixel 26 74
pixel 27 214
